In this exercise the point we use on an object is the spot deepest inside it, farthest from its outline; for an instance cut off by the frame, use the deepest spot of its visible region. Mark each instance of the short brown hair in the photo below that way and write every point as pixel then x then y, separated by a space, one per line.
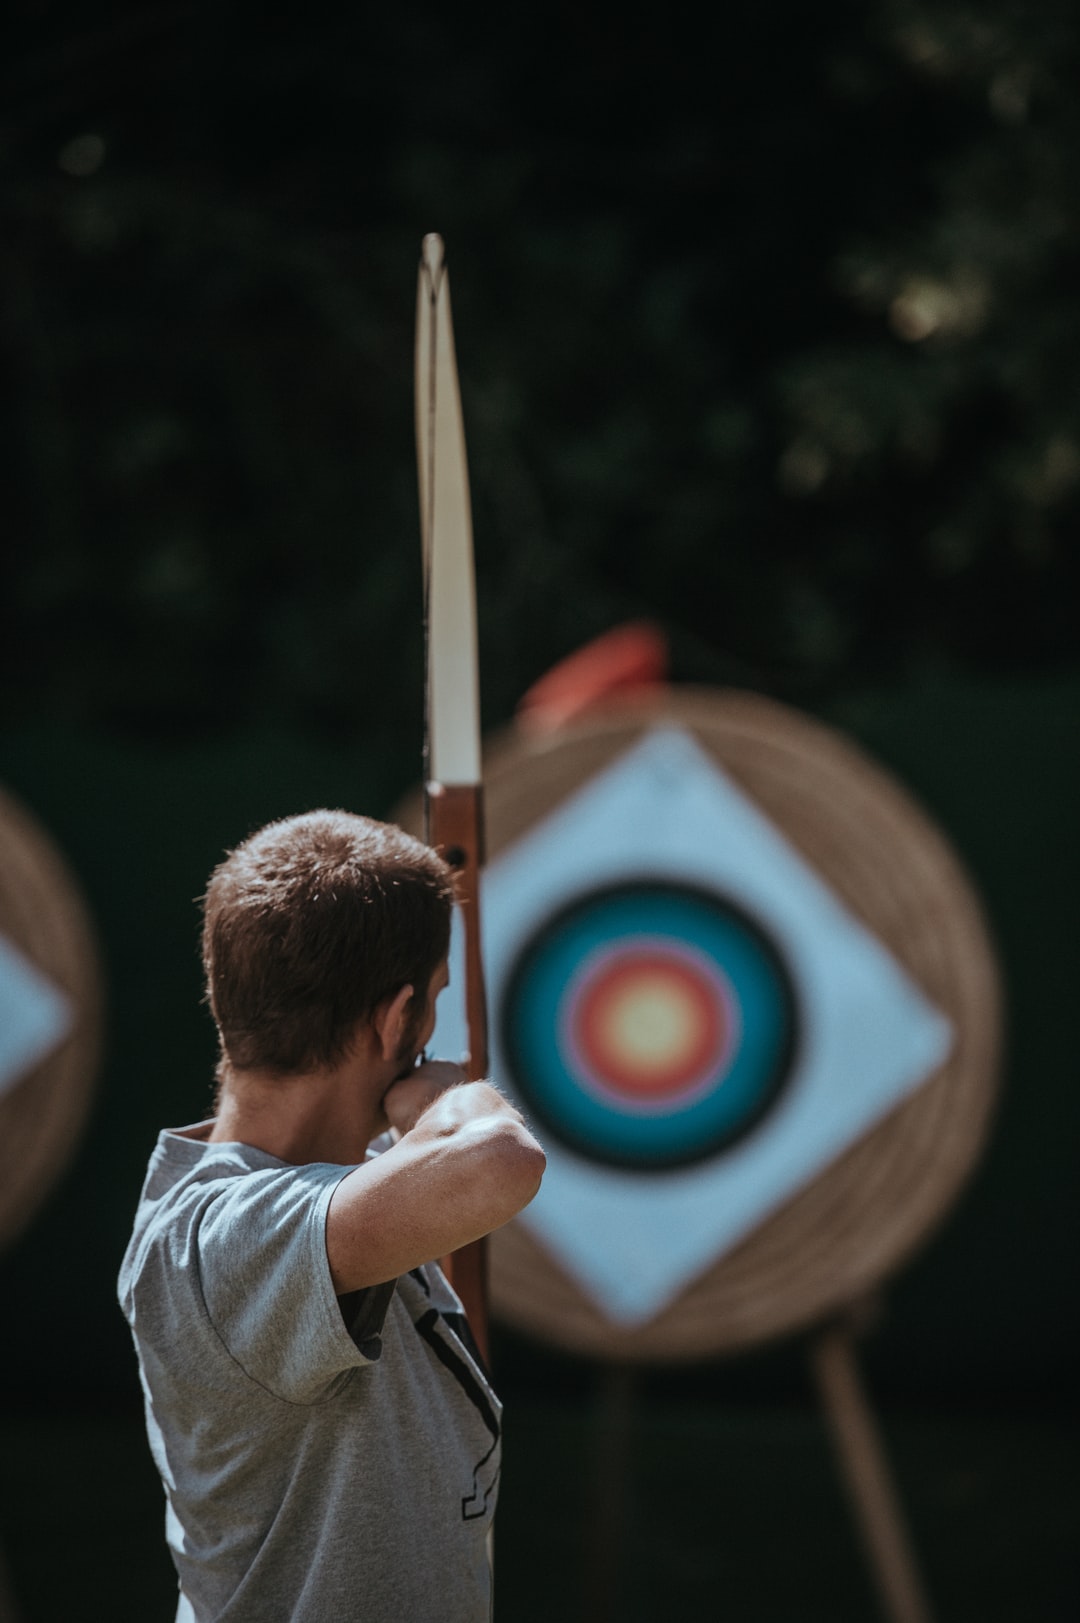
pixel 308 926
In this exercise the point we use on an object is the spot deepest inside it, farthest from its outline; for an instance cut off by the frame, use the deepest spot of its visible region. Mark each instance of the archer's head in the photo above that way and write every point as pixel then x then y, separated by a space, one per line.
pixel 309 926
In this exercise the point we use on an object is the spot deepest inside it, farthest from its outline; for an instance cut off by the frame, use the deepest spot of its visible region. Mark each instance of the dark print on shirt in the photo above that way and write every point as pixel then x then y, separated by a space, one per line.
pixel 486 1471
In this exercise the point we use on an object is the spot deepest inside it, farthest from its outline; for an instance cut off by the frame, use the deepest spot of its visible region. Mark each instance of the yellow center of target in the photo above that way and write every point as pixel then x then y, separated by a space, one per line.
pixel 649 1026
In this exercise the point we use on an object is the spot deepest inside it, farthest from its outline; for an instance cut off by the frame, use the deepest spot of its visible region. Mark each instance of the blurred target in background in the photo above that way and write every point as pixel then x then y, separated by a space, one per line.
pixel 743 989
pixel 50 1015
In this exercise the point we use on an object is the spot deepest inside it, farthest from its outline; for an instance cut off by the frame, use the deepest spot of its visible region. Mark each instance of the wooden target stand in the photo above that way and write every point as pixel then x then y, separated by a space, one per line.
pixel 42 1112
pixel 815 1263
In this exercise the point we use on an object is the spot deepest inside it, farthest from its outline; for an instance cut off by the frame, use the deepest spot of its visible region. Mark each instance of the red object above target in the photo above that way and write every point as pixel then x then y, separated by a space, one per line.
pixel 622 664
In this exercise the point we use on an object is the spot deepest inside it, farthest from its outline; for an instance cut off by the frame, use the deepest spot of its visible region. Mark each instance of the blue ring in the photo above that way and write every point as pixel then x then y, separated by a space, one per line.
pixel 740 1094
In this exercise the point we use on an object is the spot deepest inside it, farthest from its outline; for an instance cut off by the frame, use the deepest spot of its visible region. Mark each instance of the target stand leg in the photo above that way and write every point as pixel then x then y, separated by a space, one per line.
pixel 9 1611
pixel 608 1513
pixel 865 1469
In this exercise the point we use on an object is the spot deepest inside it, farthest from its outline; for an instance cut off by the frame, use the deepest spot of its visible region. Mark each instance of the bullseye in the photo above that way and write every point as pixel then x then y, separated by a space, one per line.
pixel 649 1024
pixel 648 1021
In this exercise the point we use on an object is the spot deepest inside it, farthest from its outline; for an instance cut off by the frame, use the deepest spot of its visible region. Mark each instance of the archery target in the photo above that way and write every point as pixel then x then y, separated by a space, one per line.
pixel 885 1102
pixel 649 1024
pixel 50 1011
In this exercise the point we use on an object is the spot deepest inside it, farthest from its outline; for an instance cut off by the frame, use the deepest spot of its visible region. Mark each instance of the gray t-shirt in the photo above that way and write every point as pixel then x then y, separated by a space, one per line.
pixel 322 1458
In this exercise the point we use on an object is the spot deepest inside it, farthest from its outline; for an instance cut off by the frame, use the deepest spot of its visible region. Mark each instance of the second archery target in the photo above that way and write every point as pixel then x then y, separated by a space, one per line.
pixel 50 1014
pixel 649 1024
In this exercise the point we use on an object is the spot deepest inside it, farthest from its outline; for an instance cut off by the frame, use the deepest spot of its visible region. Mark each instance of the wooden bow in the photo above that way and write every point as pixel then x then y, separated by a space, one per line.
pixel 453 794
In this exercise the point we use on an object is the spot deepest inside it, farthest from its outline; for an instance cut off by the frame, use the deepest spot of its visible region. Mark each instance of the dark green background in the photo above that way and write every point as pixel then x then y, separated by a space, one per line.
pixel 768 331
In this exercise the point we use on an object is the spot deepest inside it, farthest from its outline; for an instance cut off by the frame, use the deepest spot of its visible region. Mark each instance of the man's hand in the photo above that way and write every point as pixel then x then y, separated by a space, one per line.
pixel 405 1100
pixel 465 1163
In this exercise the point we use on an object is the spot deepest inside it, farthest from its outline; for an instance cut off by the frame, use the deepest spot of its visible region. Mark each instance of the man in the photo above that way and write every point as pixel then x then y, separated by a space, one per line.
pixel 325 1430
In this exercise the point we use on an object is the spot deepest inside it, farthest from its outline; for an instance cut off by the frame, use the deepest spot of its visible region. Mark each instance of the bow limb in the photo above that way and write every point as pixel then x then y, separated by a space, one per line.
pixel 453 796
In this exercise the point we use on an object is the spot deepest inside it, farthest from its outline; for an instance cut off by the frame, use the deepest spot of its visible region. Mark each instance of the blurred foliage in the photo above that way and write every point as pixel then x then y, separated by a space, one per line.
pixel 767 324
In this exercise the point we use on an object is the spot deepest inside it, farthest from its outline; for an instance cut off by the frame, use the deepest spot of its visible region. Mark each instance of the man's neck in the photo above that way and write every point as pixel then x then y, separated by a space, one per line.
pixel 327 1115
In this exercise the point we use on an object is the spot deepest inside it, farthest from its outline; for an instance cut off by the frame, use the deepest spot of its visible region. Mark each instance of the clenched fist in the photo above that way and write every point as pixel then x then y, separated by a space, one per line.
pixel 405 1100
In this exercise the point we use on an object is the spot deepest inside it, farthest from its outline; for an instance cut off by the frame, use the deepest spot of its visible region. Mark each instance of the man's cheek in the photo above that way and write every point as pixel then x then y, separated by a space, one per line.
pixel 408 1055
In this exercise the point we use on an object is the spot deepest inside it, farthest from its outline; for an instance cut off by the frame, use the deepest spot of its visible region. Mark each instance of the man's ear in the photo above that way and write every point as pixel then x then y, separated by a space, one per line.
pixel 390 1019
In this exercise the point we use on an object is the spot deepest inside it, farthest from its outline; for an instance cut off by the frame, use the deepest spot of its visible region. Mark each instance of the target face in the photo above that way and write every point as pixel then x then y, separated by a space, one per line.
pixel 693 1019
pixel 649 1024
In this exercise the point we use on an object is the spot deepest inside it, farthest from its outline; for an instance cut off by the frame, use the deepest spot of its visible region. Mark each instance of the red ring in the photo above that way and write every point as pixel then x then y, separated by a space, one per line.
pixel 605 1007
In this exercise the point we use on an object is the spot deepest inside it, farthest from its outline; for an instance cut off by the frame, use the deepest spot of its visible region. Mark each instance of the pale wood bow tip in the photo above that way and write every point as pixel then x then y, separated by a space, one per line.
pixel 432 252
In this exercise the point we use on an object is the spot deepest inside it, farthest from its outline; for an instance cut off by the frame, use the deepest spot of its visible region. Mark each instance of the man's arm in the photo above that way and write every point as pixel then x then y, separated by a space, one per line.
pixel 465 1164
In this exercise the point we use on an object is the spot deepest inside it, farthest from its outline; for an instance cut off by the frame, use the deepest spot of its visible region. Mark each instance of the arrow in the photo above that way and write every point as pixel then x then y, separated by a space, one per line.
pixel 453 793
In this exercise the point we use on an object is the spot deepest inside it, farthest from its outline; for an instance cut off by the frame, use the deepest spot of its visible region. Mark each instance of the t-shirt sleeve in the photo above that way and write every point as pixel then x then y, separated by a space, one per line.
pixel 265 1279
